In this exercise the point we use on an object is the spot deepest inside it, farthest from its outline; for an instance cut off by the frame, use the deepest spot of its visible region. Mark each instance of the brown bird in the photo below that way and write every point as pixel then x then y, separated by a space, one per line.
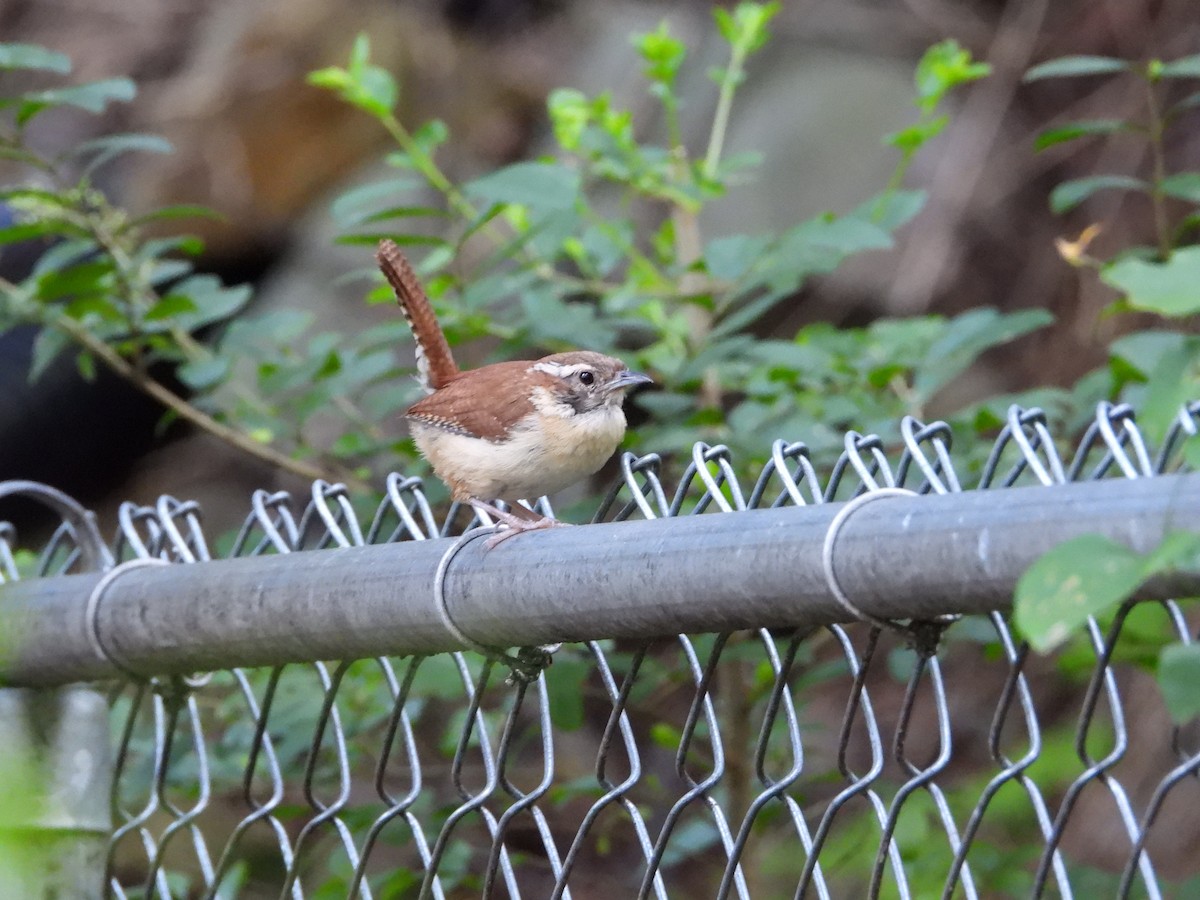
pixel 510 430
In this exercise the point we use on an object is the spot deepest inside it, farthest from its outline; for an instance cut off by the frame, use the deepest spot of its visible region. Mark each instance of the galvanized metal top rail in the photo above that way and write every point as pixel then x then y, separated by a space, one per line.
pixel 906 556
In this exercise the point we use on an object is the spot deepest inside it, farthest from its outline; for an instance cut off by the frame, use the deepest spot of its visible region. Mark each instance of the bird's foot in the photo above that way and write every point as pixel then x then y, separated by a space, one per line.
pixel 513 524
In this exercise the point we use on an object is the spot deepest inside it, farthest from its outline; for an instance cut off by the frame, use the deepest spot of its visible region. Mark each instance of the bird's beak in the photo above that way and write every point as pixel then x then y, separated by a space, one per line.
pixel 628 379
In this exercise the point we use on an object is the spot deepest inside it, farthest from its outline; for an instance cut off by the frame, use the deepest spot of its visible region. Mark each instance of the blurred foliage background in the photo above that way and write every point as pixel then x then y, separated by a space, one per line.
pixel 225 84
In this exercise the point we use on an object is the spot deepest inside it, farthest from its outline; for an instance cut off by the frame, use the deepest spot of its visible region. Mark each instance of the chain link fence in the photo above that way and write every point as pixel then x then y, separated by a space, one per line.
pixel 834 759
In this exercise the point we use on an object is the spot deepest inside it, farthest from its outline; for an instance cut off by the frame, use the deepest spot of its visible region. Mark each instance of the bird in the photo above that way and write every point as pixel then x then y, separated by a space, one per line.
pixel 510 430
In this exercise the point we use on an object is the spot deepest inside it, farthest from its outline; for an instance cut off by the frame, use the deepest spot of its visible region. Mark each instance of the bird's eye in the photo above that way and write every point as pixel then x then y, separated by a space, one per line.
pixel 587 377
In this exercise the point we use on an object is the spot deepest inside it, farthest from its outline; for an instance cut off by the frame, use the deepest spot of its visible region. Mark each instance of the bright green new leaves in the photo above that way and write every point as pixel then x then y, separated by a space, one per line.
pixel 941 69
pixel 663 55
pixel 1089 576
pixel 362 84
pixel 746 26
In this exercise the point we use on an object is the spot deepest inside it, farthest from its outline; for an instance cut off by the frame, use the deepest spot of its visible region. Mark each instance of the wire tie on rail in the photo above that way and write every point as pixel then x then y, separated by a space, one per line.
pixel 92 610
pixel 922 635
pixel 529 662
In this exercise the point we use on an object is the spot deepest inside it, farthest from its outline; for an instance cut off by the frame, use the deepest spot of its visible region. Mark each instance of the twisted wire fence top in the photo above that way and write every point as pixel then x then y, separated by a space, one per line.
pixel 842 761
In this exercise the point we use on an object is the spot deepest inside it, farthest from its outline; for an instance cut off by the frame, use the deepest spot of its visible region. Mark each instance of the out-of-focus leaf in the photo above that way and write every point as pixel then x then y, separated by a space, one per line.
pixel 1074 130
pixel 1070 194
pixel 170 307
pixel 1184 67
pixel 966 337
pixel 1184 186
pixel 1179 677
pixel 1080 578
pixel 203 374
pixel 1066 66
pixel 48 344
pixel 102 150
pixel 355 205
pixel 92 97
pixel 1170 288
pixel 31 56
pixel 538 185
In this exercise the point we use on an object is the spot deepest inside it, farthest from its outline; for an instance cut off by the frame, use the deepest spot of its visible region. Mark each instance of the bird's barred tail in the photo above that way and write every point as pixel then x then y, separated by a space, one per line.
pixel 435 363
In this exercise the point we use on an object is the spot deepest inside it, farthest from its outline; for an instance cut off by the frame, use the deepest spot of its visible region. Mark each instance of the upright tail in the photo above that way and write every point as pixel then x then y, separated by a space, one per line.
pixel 435 363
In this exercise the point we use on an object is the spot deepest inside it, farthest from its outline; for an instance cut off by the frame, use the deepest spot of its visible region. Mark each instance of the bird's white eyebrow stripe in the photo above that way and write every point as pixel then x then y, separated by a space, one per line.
pixel 560 371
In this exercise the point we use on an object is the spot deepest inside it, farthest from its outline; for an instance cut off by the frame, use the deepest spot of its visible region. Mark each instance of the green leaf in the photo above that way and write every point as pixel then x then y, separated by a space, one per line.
pixel 1170 288
pixel 356 204
pixel 1179 680
pixel 538 185
pixel 1179 551
pixel 170 307
pixel 570 112
pixel 1073 130
pixel 966 337
pixel 93 97
pixel 1185 67
pixel 352 443
pixel 1142 350
pixel 203 374
pixel 31 56
pixel 746 26
pixel 1070 194
pixel 26 231
pixel 211 301
pixel 662 53
pixel 83 278
pixel 48 344
pixel 846 235
pixel 565 691
pixel 911 139
pixel 943 67
pixel 891 209
pixel 1171 384
pixel 85 364
pixel 1067 66
pixel 104 149
pixel 729 258
pixel 333 78
pixel 572 324
pixel 1083 577
pixel 1183 186
pixel 369 87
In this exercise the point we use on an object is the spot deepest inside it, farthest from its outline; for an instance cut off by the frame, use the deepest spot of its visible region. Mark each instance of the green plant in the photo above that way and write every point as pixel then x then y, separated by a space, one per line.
pixel 132 302
pixel 648 283
pixel 645 282
pixel 1158 370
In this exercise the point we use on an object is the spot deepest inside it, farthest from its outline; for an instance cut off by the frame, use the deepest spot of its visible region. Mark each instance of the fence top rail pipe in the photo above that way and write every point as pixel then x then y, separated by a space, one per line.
pixel 904 556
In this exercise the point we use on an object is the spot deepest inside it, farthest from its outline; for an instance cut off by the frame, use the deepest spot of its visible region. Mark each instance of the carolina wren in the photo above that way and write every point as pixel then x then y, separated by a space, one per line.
pixel 510 430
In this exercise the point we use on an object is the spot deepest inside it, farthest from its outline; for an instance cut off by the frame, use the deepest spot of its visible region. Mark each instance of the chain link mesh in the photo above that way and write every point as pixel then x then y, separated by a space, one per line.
pixel 839 762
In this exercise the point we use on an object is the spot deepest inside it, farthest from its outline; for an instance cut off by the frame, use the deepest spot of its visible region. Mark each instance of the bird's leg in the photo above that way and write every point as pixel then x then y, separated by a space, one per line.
pixel 515 524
